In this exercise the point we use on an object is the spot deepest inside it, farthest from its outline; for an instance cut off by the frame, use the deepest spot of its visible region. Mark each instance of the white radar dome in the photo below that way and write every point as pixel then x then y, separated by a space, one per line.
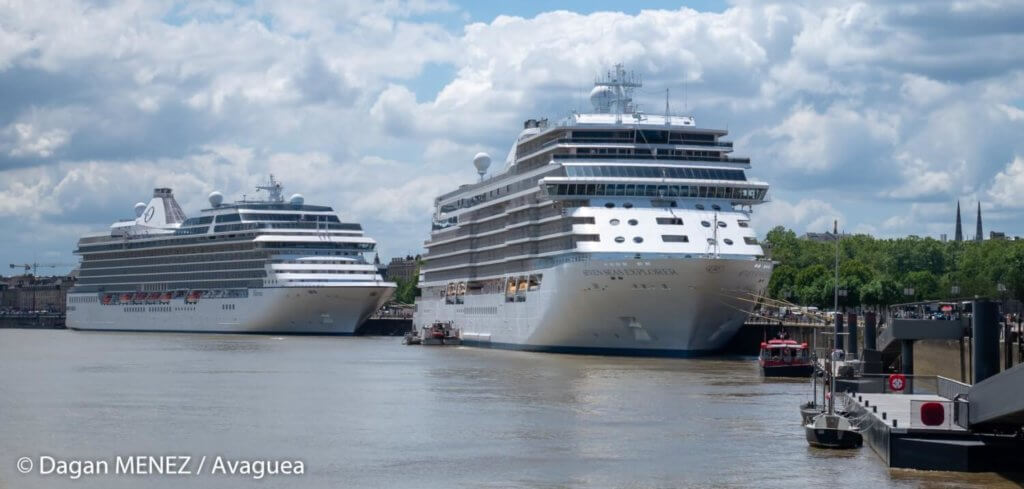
pixel 602 97
pixel 140 208
pixel 297 199
pixel 216 198
pixel 482 161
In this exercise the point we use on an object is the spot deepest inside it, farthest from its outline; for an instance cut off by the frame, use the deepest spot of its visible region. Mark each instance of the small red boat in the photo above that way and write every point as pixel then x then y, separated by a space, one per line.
pixel 785 358
pixel 193 296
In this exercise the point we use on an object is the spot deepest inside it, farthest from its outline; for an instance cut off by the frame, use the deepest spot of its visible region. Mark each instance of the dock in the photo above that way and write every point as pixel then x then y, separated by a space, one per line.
pixel 893 428
pixel 930 422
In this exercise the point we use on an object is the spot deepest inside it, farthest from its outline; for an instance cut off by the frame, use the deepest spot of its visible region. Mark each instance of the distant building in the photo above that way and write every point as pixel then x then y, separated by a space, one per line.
pixel 402 268
pixel 825 237
pixel 978 235
pixel 959 236
pixel 27 293
pixel 996 235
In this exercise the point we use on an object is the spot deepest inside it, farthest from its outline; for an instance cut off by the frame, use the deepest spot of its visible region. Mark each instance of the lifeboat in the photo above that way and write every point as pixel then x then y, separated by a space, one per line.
pixel 139 297
pixel 126 297
pixel 166 297
pixel 193 296
pixel 106 299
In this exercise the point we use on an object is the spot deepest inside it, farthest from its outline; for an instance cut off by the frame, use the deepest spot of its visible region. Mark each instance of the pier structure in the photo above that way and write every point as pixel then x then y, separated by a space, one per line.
pixel 937 423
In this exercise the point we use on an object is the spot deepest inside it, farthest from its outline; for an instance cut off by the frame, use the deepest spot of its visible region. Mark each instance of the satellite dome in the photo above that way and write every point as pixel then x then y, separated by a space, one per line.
pixel 482 161
pixel 216 198
pixel 140 208
pixel 602 97
pixel 297 199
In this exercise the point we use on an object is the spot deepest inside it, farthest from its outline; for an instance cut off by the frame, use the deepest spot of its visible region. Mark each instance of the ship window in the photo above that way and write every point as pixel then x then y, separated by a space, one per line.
pixel 670 221
pixel 614 222
pixel 721 224
pixel 620 239
pixel 750 240
pixel 534 282
pixel 229 218
pixel 628 205
pixel 742 224
pixel 609 205
pixel 716 207
pixel 705 224
pixel 699 207
pixel 675 238
pixel 632 222
pixel 711 241
pixel 638 240
pixel 727 241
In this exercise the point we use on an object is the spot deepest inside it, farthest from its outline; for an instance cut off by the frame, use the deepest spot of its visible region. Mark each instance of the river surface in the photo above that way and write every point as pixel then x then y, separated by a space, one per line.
pixel 369 412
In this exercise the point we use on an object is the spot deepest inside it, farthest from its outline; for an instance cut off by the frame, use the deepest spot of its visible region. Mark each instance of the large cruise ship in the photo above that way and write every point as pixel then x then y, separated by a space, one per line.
pixel 254 266
pixel 610 232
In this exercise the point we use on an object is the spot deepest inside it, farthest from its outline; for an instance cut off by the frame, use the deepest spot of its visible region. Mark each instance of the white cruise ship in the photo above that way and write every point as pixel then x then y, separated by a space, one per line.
pixel 610 232
pixel 263 266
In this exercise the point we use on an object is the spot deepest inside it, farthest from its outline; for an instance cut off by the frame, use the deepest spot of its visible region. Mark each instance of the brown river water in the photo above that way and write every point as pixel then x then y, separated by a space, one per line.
pixel 370 412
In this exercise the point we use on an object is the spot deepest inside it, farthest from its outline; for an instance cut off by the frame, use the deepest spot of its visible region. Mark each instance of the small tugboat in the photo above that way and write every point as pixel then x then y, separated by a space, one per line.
pixel 785 358
pixel 828 429
pixel 441 333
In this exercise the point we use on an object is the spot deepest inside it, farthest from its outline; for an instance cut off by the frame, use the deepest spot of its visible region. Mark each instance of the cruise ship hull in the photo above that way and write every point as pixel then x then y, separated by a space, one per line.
pixel 663 307
pixel 280 310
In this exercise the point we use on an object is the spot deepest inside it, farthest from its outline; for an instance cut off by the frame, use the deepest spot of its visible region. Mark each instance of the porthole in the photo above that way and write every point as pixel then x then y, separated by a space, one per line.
pixel 699 207
pixel 705 224
pixel 727 241
pixel 628 205
pixel 716 207
pixel 711 241
pixel 632 222
pixel 614 222
pixel 609 205
pixel 638 240
pixel 620 239
pixel 721 224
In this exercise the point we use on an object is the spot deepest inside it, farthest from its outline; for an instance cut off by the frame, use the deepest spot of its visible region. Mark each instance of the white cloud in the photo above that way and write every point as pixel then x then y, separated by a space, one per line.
pixel 806 215
pixel 1007 185
pixel 861 110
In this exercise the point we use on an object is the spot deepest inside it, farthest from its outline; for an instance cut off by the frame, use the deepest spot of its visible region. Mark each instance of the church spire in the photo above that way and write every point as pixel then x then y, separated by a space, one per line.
pixel 979 236
pixel 959 236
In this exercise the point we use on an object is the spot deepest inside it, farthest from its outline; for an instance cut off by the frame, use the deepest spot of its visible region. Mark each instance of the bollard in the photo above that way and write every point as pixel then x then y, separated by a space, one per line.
pixel 870 335
pixel 839 331
pixel 985 341
pixel 852 327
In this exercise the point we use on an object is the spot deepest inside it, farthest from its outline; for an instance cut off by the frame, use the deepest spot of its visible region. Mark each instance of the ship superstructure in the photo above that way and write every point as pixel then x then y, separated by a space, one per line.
pixel 613 231
pixel 252 266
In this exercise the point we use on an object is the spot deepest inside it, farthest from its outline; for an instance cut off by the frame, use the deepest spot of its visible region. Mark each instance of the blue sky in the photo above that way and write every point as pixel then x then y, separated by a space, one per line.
pixel 879 114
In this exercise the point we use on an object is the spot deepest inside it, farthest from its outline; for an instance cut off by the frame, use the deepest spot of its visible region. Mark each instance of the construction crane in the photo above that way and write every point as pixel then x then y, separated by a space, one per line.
pixel 34 269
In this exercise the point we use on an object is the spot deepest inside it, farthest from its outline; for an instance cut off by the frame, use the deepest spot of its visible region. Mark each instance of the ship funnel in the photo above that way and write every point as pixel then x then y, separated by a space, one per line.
pixel 162 210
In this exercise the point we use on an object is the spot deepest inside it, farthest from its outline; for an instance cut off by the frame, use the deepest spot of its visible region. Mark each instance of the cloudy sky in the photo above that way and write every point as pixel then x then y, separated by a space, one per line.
pixel 879 114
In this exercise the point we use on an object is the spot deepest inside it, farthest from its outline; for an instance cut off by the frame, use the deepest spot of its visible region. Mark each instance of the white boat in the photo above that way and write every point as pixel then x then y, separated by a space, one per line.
pixel 612 232
pixel 253 266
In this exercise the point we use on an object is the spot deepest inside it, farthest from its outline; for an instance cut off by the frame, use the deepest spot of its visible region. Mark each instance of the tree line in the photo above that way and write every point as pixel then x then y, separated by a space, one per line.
pixel 880 272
